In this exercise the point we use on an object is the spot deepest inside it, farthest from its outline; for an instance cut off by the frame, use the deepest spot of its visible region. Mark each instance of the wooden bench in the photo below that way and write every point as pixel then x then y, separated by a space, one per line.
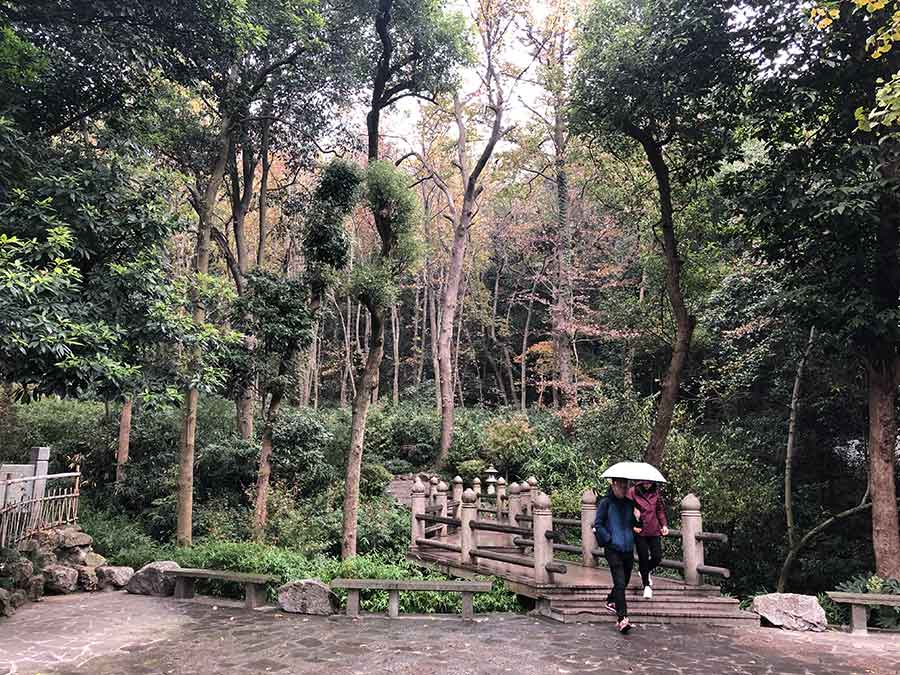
pixel 354 586
pixel 254 584
pixel 859 606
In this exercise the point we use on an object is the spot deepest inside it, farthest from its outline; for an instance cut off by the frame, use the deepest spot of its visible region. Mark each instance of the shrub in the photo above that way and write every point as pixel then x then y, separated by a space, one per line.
pixel 300 450
pixel 507 442
pixel 373 480
pixel 398 467
pixel 471 469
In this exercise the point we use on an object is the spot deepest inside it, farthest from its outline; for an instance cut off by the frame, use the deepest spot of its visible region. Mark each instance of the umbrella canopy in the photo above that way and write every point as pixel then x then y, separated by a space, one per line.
pixel 634 471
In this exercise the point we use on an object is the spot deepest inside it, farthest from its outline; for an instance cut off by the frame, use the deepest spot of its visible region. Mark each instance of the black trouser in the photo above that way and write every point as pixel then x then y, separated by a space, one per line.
pixel 620 566
pixel 649 550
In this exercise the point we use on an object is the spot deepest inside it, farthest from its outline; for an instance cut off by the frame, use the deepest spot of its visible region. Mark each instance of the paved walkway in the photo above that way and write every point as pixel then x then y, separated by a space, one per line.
pixel 106 633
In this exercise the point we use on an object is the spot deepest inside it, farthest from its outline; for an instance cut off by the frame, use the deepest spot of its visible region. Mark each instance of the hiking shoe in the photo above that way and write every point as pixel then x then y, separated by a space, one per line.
pixel 649 580
pixel 648 593
pixel 611 607
pixel 624 626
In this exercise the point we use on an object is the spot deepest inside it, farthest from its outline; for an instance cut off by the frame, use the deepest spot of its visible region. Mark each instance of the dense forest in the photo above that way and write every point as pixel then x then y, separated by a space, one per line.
pixel 259 256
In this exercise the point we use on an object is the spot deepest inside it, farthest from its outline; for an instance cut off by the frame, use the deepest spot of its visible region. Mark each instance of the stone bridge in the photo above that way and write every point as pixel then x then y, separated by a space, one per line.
pixel 512 534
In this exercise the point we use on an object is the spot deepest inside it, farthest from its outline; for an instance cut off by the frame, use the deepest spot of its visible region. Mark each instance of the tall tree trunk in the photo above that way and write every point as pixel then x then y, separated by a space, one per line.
pixel 264 188
pixel 261 510
pixel 358 433
pixel 792 435
pixel 882 463
pixel 684 321
pixel 124 439
pixel 449 304
pixel 432 318
pixel 524 356
pixel 562 306
pixel 204 205
pixel 245 413
pixel 882 369
pixel 395 338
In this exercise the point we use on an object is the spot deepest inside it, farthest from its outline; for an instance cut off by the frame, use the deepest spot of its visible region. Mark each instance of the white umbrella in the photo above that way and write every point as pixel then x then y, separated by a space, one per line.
pixel 634 471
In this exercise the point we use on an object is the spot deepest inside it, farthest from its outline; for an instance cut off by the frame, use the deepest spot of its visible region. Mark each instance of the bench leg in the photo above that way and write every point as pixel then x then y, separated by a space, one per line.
pixel 353 602
pixel 184 588
pixel 468 607
pixel 394 604
pixel 859 617
pixel 254 595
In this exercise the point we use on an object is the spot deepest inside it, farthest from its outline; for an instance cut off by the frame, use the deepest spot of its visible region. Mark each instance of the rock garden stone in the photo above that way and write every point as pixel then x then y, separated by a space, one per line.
pixel 35 589
pixel 150 580
pixel 791 611
pixel 60 579
pixel 113 578
pixel 17 598
pixel 307 596
pixel 6 604
pixel 19 572
pixel 72 537
pixel 94 560
pixel 87 579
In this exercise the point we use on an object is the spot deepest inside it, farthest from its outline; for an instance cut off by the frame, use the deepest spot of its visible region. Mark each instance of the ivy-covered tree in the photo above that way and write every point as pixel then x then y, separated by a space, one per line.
pixel 279 313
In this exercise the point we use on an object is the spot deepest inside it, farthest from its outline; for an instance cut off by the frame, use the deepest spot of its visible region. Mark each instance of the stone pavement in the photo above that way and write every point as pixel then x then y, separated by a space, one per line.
pixel 106 633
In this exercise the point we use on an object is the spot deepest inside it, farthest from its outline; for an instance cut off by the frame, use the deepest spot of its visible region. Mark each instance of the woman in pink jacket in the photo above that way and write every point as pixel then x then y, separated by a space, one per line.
pixel 650 511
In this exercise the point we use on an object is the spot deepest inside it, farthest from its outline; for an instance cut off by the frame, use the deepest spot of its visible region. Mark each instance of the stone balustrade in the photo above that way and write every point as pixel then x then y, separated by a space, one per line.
pixel 515 525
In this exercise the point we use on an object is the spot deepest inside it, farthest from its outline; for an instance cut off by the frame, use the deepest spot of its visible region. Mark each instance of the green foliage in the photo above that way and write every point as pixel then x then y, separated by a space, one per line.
pixel 471 469
pixel 506 442
pixel 300 443
pixel 373 479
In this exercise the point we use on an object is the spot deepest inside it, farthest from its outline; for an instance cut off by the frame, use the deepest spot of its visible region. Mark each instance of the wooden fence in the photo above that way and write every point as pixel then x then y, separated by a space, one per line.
pixel 42 502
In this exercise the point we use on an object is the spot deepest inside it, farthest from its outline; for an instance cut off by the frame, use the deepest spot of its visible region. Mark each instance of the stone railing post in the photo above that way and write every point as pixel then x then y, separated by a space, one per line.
pixel 588 540
pixel 467 539
pixel 501 497
pixel 417 505
pixel 433 492
pixel 543 547
pixel 427 485
pixel 40 457
pixel 525 498
pixel 691 526
pixel 456 496
pixel 442 502
pixel 514 504
pixel 476 488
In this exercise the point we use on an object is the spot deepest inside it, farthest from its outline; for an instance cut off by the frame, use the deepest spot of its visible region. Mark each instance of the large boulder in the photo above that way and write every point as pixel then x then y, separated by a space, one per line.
pixel 60 579
pixel 87 579
pixel 791 611
pixel 307 596
pixel 112 578
pixel 151 580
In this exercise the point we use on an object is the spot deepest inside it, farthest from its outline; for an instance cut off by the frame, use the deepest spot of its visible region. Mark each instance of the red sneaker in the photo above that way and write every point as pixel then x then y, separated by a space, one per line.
pixel 624 626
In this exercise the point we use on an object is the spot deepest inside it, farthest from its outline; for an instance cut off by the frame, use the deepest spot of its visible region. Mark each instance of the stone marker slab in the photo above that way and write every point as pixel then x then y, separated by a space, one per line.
pixel 151 579
pixel 307 596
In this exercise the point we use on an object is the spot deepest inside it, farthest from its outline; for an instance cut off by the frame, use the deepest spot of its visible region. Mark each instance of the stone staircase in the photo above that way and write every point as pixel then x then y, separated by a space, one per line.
pixel 703 605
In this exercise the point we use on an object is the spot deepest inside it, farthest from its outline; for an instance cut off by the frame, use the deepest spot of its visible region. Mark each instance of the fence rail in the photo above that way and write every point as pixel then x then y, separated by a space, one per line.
pixel 52 501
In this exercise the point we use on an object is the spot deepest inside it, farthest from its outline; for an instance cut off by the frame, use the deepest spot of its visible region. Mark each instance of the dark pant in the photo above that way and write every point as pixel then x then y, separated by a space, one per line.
pixel 649 550
pixel 620 566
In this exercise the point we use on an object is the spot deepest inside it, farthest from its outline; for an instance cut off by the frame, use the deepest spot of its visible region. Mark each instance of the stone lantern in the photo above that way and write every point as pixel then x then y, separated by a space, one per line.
pixel 491 480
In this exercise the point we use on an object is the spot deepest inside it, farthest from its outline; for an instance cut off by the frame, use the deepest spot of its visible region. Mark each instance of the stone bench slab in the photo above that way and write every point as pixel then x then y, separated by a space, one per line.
pixel 239 577
pixel 254 584
pixel 859 603
pixel 394 585
pixel 354 586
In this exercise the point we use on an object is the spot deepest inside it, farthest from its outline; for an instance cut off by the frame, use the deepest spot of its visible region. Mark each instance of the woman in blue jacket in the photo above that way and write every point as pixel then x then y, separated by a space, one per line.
pixel 613 527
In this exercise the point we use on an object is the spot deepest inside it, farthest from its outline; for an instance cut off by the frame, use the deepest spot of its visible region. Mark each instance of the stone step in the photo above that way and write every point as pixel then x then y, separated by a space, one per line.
pixel 598 591
pixel 662 605
pixel 658 598
pixel 638 615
